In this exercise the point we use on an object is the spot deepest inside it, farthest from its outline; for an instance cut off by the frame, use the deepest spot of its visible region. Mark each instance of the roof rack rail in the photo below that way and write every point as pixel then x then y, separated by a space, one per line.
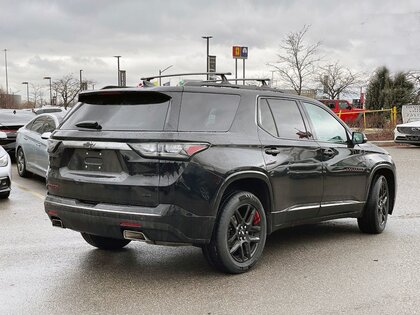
pixel 227 84
pixel 222 75
pixel 263 81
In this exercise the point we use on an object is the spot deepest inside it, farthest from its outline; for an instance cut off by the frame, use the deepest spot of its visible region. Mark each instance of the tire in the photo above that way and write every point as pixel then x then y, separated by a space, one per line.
pixel 21 163
pixel 105 242
pixel 5 195
pixel 239 235
pixel 376 211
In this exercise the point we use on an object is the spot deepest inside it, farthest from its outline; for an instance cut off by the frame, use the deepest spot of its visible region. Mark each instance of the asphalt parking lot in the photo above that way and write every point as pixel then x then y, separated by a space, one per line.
pixel 326 268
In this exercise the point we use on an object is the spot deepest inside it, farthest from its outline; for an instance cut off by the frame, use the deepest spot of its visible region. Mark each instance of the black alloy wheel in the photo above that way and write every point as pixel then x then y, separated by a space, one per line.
pixel 239 236
pixel 21 163
pixel 376 212
pixel 244 233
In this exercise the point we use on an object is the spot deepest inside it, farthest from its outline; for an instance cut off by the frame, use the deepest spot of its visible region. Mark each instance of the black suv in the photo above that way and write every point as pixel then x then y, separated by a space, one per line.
pixel 215 165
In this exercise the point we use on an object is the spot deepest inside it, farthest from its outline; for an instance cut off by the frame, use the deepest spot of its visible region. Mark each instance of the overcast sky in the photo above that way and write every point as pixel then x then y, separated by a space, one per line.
pixel 55 38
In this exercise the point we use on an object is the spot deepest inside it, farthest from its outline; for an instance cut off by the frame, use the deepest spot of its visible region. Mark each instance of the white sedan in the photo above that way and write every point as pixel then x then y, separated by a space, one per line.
pixel 5 172
pixel 408 133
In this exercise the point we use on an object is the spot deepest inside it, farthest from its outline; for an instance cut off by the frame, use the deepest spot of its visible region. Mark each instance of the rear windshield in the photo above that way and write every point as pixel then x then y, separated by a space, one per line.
pixel 207 111
pixel 128 114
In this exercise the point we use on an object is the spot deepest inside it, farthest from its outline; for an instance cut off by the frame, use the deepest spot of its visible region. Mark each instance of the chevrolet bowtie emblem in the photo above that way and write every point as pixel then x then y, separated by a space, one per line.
pixel 88 145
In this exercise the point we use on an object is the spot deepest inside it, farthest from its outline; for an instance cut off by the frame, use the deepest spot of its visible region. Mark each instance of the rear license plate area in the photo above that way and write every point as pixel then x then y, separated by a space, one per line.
pixel 95 161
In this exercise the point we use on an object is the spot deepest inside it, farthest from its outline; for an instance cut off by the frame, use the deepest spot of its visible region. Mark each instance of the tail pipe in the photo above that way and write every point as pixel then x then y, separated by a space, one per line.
pixel 135 236
pixel 57 223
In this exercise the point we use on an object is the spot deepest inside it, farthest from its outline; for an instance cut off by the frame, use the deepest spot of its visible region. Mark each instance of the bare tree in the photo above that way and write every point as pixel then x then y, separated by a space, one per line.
pixel 37 93
pixel 414 76
pixel 297 59
pixel 66 89
pixel 337 79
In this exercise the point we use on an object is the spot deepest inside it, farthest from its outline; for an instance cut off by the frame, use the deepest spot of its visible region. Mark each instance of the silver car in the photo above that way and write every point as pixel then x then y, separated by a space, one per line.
pixel 5 171
pixel 31 144
pixel 408 133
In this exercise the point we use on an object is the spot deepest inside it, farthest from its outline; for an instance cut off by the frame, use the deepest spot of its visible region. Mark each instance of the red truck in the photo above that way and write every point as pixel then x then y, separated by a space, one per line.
pixel 344 110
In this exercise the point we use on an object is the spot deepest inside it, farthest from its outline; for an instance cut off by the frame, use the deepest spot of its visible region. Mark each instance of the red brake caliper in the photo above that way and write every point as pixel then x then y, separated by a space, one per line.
pixel 256 219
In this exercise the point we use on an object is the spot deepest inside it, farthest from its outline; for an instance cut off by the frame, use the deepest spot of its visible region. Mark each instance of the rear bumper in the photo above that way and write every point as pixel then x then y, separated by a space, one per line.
pixel 5 184
pixel 165 223
pixel 404 138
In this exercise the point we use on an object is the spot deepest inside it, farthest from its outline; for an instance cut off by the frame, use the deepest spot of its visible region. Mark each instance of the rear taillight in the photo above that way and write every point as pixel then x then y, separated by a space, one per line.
pixel 52 145
pixel 175 150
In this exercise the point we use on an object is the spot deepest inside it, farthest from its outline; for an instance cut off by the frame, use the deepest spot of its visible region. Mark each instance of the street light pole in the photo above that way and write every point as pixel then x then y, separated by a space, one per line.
pixel 118 67
pixel 5 65
pixel 162 71
pixel 81 84
pixel 27 90
pixel 49 78
pixel 207 38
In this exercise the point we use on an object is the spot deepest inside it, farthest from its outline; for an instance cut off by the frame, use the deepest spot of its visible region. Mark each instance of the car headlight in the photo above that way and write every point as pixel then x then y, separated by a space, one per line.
pixel 4 160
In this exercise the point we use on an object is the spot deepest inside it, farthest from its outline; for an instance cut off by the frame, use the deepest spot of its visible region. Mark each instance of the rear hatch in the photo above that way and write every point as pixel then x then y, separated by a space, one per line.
pixel 134 147
pixel 11 121
pixel 96 155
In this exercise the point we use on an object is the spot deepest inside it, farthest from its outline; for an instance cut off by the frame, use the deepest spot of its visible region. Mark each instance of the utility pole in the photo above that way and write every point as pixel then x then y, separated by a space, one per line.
pixel 162 71
pixel 207 38
pixel 81 82
pixel 49 78
pixel 118 69
pixel 27 91
pixel 5 65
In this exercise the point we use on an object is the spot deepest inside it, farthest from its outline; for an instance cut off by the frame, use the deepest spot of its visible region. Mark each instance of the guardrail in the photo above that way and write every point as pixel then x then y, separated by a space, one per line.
pixel 392 114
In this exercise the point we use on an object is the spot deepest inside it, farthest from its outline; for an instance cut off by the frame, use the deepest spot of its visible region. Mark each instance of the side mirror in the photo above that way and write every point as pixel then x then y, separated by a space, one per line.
pixel 46 135
pixel 358 138
pixel 3 135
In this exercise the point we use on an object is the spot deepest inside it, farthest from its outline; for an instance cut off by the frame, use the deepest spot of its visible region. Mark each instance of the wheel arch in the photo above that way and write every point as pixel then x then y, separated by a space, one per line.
pixel 389 172
pixel 254 182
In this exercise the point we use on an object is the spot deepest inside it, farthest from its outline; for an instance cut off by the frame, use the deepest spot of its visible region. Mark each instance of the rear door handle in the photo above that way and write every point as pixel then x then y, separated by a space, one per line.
pixel 272 151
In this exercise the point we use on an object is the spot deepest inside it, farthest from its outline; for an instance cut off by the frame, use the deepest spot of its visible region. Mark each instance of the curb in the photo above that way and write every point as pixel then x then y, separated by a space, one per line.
pixel 388 143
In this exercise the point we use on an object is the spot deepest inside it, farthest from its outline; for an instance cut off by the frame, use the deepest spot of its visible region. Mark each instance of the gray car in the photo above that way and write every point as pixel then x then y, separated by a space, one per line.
pixel 31 144
pixel 5 171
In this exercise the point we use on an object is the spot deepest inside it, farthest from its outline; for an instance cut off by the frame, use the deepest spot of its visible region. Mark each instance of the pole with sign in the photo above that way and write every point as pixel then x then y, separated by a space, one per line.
pixel 212 65
pixel 239 52
pixel 123 78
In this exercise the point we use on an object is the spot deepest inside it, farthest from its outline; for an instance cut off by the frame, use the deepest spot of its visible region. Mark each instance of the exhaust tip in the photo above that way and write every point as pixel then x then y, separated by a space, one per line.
pixel 135 236
pixel 57 223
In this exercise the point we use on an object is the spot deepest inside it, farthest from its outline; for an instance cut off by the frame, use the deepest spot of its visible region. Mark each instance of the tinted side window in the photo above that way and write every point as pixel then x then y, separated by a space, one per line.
pixel 343 105
pixel 37 125
pixel 330 105
pixel 288 119
pixel 207 112
pixel 265 118
pixel 326 127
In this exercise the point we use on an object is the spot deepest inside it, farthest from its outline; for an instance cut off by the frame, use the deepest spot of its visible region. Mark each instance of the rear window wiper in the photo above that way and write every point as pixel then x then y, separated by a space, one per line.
pixel 89 125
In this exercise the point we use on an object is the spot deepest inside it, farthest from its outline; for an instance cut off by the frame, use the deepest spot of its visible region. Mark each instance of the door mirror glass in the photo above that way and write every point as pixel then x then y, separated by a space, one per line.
pixel 358 138
pixel 46 135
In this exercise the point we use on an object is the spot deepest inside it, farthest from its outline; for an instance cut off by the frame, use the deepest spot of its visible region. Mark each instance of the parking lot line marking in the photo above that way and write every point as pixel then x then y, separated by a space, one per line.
pixel 40 196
